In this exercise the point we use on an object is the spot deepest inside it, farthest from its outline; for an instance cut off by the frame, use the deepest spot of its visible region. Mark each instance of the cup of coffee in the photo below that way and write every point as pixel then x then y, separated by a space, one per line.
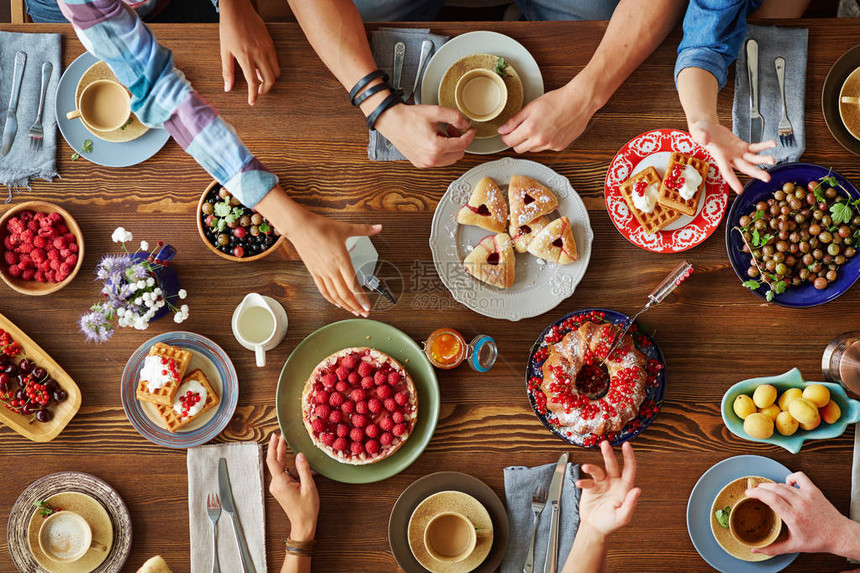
pixel 752 522
pixel 849 106
pixel 450 537
pixel 65 536
pixel 105 106
pixel 481 94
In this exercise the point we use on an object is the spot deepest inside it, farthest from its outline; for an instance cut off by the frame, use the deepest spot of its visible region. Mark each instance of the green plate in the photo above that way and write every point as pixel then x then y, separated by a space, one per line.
pixel 325 342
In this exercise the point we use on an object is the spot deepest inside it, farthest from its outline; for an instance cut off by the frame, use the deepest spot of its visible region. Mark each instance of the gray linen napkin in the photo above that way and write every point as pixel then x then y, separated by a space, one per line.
pixel 854 511
pixel 21 165
pixel 245 466
pixel 382 43
pixel 520 483
pixel 791 44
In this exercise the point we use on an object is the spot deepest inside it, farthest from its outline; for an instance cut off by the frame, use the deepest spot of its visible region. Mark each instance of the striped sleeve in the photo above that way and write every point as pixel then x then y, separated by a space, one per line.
pixel 162 97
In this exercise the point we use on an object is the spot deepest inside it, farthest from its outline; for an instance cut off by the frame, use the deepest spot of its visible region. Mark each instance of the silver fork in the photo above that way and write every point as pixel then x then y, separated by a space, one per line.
pixel 538 503
pixel 36 132
pixel 213 509
pixel 786 132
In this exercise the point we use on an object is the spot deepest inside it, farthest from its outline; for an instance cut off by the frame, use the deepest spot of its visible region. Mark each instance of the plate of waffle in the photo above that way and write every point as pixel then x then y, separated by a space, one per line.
pixel 664 193
pixel 179 389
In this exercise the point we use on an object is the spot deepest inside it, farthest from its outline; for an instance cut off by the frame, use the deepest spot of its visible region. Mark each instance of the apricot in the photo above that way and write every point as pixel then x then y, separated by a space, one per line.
pixel 804 412
pixel 831 412
pixel 743 406
pixel 771 411
pixel 764 395
pixel 785 424
pixel 788 396
pixel 811 426
pixel 817 394
pixel 758 426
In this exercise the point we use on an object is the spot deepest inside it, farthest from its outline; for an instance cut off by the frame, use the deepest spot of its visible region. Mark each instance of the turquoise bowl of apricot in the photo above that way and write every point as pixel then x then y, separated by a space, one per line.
pixel 829 426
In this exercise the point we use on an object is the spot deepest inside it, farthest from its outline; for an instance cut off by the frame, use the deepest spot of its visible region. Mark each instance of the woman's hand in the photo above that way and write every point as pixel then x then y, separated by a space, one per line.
pixel 609 498
pixel 295 492
pixel 415 131
pixel 730 151
pixel 245 39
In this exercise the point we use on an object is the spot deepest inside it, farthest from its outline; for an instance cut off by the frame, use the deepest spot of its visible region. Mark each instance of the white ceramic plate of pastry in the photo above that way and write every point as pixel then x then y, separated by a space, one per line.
pixel 538 285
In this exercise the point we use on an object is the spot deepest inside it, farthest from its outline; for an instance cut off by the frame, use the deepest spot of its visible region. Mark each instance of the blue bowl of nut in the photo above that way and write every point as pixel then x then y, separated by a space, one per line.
pixel 803 228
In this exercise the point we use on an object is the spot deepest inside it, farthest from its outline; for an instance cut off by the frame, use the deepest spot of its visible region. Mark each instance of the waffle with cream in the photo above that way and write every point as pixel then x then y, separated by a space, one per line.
pixel 683 183
pixel 162 371
pixel 641 193
pixel 195 396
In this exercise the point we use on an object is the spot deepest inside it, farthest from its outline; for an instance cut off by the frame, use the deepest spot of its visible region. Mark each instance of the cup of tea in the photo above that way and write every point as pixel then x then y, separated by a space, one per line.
pixel 65 537
pixel 481 94
pixel 849 107
pixel 105 105
pixel 752 522
pixel 450 537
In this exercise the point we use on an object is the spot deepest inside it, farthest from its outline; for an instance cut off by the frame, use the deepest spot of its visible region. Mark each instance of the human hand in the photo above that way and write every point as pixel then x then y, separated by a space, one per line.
pixel 245 39
pixel 609 498
pixel 415 131
pixel 322 247
pixel 730 151
pixel 551 122
pixel 296 494
pixel 814 525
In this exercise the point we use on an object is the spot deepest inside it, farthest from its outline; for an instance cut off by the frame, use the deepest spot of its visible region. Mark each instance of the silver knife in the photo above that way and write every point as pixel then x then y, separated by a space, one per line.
pixel 228 506
pixel 10 128
pixel 756 120
pixel 555 486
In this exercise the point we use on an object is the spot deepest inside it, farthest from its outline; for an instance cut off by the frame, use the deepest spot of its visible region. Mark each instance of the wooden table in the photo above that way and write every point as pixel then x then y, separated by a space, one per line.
pixel 713 333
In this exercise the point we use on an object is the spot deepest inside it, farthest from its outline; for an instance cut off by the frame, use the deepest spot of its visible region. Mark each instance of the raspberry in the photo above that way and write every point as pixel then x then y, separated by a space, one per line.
pixel 39 276
pixel 385 439
pixel 353 378
pixel 10 258
pixel 399 429
pixel 350 361
pixel 53 254
pixel 327 439
pixel 348 408
pixel 372 447
pixel 336 399
pixel 401 398
pixel 361 407
pixel 33 226
pixel 40 242
pixel 73 247
pixel 65 253
pixel 356 435
pixel 379 378
pixel 390 405
pixel 393 378
pixel 38 255
pixel 15 271
pixel 7 243
pixel 328 380
pixel 55 264
pixel 15 225
pixel 356 448
pixel 374 405
pixel 25 216
pixel 365 369
pixel 335 417
pixel 46 232
pixel 342 430
pixel 61 276
pixel 69 238
pixel 318 425
pixel 357 395
pixel 62 229
pixel 322 411
pixel 342 372
pixel 372 431
pixel 397 417
pixel 72 259
pixel 25 248
pixel 58 243
pixel 341 386
pixel 55 218
pixel 386 424
pixel 383 392
pixel 44 266
pixel 339 444
pixel 367 383
pixel 321 397
pixel 27 274
pixel 359 420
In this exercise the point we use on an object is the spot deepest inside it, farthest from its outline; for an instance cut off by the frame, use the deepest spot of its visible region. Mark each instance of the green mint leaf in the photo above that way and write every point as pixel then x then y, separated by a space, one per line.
pixel 265 228
pixel 841 213
pixel 88 146
pixel 751 284
pixel 722 516
pixel 756 238
pixel 75 156
pixel 769 296
pixel 222 209
pixel 501 67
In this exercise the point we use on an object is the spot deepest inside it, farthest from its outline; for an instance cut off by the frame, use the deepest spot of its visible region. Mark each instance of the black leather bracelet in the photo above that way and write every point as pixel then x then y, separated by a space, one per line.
pixel 390 101
pixel 360 85
pixel 369 92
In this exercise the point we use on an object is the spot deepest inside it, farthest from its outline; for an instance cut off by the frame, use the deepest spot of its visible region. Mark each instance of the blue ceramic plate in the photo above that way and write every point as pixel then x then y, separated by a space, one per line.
pixel 107 153
pixel 208 357
pixel 791 379
pixel 699 512
pixel 654 393
pixel 755 191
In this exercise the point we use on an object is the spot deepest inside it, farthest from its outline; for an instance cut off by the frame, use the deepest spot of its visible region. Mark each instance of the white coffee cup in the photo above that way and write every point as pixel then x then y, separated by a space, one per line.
pixel 65 536
pixel 259 324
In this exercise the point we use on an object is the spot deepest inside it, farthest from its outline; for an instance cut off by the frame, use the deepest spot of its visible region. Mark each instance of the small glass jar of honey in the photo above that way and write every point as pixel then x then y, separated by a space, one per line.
pixel 445 348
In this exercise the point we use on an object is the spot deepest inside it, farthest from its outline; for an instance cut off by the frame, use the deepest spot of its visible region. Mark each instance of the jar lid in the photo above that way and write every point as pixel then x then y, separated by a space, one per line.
pixel 482 353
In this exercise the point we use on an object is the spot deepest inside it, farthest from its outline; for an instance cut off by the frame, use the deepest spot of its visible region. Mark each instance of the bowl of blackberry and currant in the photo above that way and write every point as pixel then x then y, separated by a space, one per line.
pixel 231 230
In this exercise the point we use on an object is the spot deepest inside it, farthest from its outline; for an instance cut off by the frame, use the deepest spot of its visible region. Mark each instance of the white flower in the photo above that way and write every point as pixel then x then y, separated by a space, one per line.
pixel 182 293
pixel 120 311
pixel 157 292
pixel 132 287
pixel 184 309
pixel 141 284
pixel 138 301
pixel 120 235
pixel 144 246
pixel 122 322
pixel 177 318
pixel 150 282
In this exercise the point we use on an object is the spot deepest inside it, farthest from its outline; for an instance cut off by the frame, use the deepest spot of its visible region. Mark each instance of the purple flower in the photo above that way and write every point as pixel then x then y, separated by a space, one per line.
pixel 95 327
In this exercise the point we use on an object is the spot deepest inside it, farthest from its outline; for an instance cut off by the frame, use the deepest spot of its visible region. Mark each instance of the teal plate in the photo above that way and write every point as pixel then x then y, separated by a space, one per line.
pixel 325 342
pixel 791 379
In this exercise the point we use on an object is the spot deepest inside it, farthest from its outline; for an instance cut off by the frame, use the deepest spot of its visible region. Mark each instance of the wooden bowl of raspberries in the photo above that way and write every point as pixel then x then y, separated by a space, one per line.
pixel 41 248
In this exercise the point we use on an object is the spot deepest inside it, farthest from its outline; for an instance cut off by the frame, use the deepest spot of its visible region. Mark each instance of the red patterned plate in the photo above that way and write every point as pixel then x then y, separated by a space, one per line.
pixel 653 148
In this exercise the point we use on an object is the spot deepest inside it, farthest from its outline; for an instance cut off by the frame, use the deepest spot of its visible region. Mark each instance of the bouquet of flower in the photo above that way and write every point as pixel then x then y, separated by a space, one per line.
pixel 131 294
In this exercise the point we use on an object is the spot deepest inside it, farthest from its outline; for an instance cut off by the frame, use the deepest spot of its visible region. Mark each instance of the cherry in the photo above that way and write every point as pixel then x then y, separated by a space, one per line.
pixel 5 379
pixel 39 373
pixel 10 368
pixel 43 416
pixel 25 366
pixel 60 395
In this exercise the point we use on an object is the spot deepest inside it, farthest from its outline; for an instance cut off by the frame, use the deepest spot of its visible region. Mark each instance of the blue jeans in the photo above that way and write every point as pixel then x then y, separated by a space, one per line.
pixel 426 10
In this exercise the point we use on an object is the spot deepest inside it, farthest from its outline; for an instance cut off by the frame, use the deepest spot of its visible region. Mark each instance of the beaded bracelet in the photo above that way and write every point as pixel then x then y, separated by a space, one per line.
pixel 360 85
pixel 371 91
pixel 390 101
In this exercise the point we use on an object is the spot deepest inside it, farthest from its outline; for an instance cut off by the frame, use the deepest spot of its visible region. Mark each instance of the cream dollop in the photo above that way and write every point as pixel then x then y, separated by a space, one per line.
pixel 153 373
pixel 692 180
pixel 647 200
pixel 194 387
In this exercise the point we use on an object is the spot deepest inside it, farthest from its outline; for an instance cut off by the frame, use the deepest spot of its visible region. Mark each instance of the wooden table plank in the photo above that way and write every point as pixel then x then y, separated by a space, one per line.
pixel 712 332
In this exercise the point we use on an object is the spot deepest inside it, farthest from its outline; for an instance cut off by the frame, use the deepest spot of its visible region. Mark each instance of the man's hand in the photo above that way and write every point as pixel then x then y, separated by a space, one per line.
pixel 293 489
pixel 609 498
pixel 729 151
pixel 245 39
pixel 415 130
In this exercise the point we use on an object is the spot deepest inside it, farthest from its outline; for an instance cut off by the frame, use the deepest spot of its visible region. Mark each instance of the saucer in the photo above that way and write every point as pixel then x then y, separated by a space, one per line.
pixel 130 131
pixel 94 514
pixel 831 101
pixel 106 153
pixel 728 497
pixel 484 129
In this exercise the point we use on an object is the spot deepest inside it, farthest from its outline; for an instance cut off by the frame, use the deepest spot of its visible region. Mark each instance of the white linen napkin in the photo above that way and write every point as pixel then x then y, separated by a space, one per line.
pixel 855 480
pixel 245 466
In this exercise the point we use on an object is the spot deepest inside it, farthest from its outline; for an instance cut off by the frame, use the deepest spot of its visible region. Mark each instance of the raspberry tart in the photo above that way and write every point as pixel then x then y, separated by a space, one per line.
pixel 523 235
pixel 555 243
pixel 529 200
pixel 486 207
pixel 492 261
pixel 359 406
